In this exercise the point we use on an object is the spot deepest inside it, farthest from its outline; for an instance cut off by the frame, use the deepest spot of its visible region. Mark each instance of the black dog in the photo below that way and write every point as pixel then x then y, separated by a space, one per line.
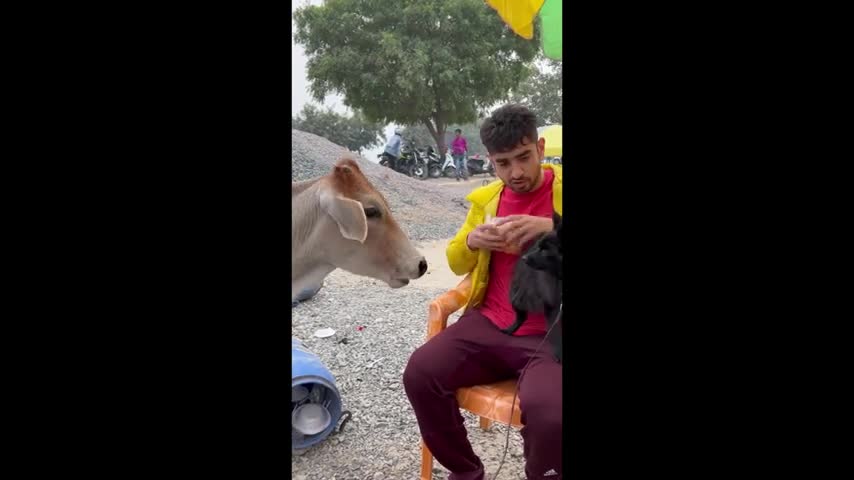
pixel 537 285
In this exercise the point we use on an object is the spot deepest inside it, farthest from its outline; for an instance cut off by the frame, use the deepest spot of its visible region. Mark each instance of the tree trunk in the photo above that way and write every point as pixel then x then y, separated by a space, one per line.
pixel 440 142
pixel 438 133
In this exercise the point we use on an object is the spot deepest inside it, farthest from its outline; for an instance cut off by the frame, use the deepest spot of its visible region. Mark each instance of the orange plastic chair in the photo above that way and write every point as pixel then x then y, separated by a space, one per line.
pixel 492 402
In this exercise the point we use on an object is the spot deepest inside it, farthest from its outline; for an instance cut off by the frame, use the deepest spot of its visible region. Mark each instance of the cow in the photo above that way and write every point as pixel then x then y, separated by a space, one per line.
pixel 340 220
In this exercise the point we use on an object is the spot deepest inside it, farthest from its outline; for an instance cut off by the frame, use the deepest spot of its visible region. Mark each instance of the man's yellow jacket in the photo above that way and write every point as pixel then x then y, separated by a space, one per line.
pixel 484 202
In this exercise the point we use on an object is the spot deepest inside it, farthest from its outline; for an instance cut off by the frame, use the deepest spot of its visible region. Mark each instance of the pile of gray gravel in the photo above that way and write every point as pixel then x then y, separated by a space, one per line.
pixel 424 211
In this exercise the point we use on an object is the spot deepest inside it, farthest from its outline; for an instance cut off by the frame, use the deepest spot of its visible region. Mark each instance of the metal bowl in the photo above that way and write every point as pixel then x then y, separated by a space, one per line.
pixel 310 419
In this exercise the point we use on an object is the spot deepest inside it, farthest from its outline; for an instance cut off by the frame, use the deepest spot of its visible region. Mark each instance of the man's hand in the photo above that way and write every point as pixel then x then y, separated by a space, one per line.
pixel 486 237
pixel 521 229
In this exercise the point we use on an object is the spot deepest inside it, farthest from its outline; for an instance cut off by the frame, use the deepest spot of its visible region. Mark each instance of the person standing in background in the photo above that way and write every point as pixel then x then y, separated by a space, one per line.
pixel 459 149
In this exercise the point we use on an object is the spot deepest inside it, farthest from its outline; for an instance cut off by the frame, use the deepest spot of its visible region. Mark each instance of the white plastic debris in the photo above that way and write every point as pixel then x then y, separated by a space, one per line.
pixel 324 333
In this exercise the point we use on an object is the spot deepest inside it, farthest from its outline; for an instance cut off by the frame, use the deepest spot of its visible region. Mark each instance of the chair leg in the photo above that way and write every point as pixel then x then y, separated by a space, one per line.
pixel 485 423
pixel 426 462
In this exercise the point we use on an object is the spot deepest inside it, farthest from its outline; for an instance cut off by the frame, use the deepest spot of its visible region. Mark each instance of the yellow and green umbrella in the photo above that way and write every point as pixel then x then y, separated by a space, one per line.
pixel 554 140
pixel 520 16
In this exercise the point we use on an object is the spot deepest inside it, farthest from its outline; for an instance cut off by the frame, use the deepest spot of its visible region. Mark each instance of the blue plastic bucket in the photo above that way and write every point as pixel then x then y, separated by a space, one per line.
pixel 307 370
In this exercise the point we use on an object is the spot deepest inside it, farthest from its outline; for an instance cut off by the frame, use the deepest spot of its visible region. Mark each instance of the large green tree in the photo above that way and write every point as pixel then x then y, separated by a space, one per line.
pixel 354 132
pixel 542 92
pixel 428 62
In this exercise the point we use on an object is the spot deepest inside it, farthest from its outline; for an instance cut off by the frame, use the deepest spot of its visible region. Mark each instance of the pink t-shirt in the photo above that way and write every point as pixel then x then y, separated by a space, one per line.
pixel 458 146
pixel 496 302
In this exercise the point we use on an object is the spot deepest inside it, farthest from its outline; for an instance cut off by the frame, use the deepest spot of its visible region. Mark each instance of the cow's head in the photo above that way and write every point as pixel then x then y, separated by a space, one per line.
pixel 361 234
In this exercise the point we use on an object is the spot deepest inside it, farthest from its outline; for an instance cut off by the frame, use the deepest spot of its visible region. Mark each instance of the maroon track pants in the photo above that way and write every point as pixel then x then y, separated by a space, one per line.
pixel 470 352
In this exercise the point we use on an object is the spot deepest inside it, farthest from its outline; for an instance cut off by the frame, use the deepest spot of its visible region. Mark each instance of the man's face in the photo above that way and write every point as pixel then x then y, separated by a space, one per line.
pixel 520 167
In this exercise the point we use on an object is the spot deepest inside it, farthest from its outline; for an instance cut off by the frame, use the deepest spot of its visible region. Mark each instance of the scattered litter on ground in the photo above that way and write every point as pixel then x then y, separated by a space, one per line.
pixel 324 333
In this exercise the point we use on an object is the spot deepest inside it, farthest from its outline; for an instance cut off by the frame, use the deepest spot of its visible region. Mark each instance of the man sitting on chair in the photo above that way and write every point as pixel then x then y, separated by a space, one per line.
pixel 473 351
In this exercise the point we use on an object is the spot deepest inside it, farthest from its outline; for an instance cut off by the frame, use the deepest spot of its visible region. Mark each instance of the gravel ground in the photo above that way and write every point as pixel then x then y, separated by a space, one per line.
pixel 381 440
pixel 424 210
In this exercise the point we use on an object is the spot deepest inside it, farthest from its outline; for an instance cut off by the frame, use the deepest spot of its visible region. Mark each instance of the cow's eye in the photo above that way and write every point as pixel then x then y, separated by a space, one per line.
pixel 372 212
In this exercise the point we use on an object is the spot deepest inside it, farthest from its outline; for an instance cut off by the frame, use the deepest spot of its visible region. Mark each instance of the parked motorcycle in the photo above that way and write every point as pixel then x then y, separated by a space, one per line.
pixel 387 161
pixel 480 164
pixel 404 163
pixel 415 160
pixel 448 168
pixel 434 164
pixel 411 162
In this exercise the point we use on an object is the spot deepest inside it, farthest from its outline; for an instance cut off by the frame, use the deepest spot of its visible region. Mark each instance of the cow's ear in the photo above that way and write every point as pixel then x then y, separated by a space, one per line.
pixel 348 214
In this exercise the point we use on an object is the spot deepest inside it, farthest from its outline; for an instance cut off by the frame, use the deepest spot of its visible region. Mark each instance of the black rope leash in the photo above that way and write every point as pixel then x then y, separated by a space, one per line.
pixel 513 403
pixel 348 415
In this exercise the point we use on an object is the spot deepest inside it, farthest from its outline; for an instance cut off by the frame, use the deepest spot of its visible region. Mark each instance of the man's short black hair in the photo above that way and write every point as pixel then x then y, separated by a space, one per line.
pixel 458 131
pixel 507 126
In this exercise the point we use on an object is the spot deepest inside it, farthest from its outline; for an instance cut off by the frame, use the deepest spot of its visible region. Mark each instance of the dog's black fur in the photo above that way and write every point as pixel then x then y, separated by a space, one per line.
pixel 537 285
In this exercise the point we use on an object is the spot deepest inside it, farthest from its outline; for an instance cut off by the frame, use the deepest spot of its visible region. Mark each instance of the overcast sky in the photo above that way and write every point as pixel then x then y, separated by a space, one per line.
pixel 300 94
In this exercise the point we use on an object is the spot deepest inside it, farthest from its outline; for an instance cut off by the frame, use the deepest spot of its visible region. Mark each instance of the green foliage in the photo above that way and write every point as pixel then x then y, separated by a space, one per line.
pixel 417 135
pixel 542 92
pixel 354 132
pixel 428 62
